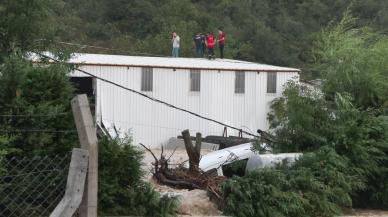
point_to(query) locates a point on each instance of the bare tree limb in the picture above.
(172, 153)
(149, 150)
(156, 166)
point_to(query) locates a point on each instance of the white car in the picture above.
(222, 160)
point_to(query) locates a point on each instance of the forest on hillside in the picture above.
(266, 31)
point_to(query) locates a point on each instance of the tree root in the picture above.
(187, 178)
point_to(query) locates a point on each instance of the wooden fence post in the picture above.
(75, 184)
(87, 134)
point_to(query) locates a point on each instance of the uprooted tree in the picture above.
(183, 178)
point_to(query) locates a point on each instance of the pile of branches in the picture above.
(187, 178)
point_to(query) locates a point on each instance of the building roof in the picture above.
(175, 63)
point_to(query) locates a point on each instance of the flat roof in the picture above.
(174, 63)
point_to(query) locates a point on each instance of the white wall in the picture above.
(153, 124)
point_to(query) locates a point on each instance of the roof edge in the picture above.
(171, 67)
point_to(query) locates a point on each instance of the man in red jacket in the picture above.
(221, 41)
(210, 41)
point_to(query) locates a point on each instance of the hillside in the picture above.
(269, 31)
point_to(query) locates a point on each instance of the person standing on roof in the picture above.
(210, 41)
(203, 41)
(197, 41)
(175, 44)
(221, 41)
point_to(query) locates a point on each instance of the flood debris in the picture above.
(208, 172)
(181, 177)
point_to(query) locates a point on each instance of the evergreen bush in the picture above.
(317, 185)
(122, 188)
(37, 100)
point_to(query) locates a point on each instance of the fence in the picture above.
(32, 187)
(43, 186)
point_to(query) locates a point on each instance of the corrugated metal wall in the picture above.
(154, 124)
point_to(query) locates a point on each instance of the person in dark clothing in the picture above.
(197, 41)
(210, 41)
(203, 37)
(221, 42)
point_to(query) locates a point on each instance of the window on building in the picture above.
(239, 83)
(195, 80)
(271, 82)
(146, 79)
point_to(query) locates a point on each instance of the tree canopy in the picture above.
(341, 129)
(268, 31)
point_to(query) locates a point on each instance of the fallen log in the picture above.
(176, 183)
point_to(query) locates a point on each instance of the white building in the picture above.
(233, 92)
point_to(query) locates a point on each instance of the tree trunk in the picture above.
(194, 152)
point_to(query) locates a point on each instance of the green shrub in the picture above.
(350, 115)
(316, 185)
(122, 190)
(29, 90)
